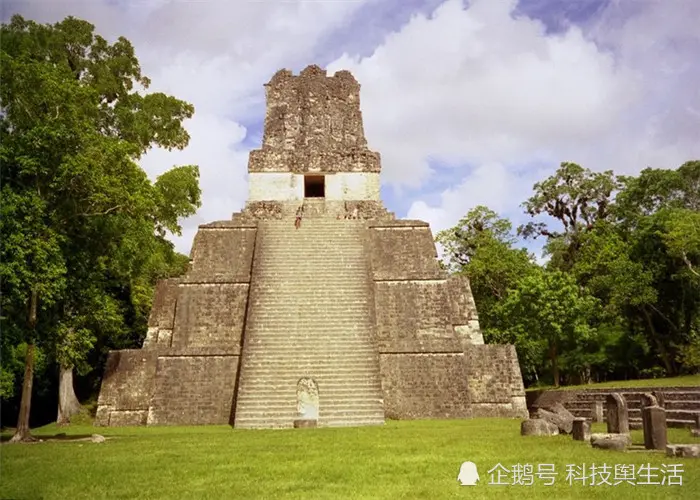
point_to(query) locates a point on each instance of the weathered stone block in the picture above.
(538, 427)
(414, 317)
(581, 429)
(401, 252)
(617, 415)
(210, 315)
(563, 422)
(194, 390)
(683, 450)
(127, 383)
(654, 424)
(125, 418)
(597, 411)
(660, 398)
(163, 309)
(618, 442)
(424, 386)
(305, 423)
(494, 381)
(221, 255)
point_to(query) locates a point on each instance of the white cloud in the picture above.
(475, 86)
(216, 55)
(471, 87)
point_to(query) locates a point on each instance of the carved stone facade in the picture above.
(353, 300)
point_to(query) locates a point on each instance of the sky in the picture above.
(469, 103)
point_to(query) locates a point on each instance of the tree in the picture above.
(576, 198)
(549, 309)
(657, 212)
(480, 246)
(76, 205)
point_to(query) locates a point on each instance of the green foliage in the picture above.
(481, 247)
(576, 198)
(82, 225)
(621, 293)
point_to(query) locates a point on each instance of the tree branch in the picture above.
(689, 264)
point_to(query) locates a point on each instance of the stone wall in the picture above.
(280, 186)
(313, 123)
(414, 316)
(421, 358)
(162, 318)
(127, 387)
(495, 382)
(276, 186)
(210, 315)
(221, 255)
(464, 315)
(186, 373)
(193, 390)
(426, 385)
(352, 186)
(432, 358)
(403, 250)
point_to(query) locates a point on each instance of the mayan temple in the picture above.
(346, 321)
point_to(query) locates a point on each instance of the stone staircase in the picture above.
(681, 403)
(309, 315)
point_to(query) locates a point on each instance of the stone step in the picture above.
(339, 398)
(676, 395)
(297, 279)
(686, 416)
(328, 373)
(318, 347)
(346, 386)
(309, 362)
(276, 356)
(277, 424)
(301, 332)
(293, 305)
(338, 390)
(333, 328)
(266, 328)
(293, 414)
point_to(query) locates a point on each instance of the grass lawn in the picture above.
(683, 381)
(419, 459)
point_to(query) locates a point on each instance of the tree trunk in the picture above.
(22, 431)
(555, 363)
(68, 404)
(659, 343)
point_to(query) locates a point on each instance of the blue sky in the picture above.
(468, 103)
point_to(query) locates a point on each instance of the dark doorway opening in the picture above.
(314, 186)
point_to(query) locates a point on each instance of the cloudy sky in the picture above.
(469, 103)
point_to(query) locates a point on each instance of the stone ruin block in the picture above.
(653, 423)
(581, 429)
(617, 414)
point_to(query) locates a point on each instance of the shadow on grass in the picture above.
(52, 438)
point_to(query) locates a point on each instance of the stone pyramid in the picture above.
(346, 320)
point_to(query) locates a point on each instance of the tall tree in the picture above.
(481, 246)
(551, 310)
(76, 205)
(576, 198)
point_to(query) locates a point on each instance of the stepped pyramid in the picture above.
(344, 321)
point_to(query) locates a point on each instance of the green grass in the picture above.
(419, 459)
(682, 381)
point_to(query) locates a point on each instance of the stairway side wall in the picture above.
(422, 362)
(433, 360)
(186, 372)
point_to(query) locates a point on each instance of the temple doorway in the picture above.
(314, 186)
